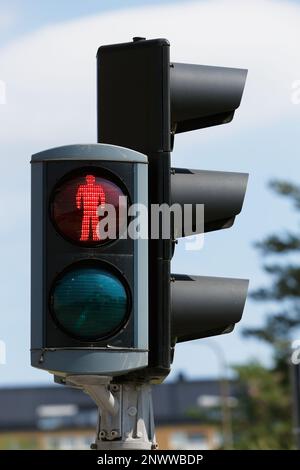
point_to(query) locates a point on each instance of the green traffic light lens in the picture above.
(89, 302)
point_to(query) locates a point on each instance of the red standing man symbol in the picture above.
(88, 197)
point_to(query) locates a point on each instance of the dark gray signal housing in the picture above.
(124, 260)
(133, 87)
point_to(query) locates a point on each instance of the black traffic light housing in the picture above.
(143, 101)
(134, 112)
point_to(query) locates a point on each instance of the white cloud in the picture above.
(50, 74)
(8, 18)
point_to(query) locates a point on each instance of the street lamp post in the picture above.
(224, 392)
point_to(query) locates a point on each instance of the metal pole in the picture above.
(224, 393)
(295, 373)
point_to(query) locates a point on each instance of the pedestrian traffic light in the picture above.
(104, 304)
(89, 280)
(103, 301)
(143, 101)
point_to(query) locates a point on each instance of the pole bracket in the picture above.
(125, 412)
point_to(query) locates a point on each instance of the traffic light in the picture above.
(143, 101)
(89, 299)
(104, 302)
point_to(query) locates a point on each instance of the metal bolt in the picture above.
(102, 434)
(114, 387)
(138, 38)
(132, 411)
(93, 446)
(114, 434)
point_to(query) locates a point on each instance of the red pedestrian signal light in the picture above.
(89, 197)
(79, 204)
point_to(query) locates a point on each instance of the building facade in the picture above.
(58, 417)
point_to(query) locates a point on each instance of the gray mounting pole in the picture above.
(125, 412)
(295, 376)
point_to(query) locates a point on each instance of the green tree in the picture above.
(265, 421)
(262, 417)
(285, 287)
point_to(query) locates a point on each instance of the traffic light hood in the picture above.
(203, 96)
(222, 194)
(204, 306)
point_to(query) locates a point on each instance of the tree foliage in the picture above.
(264, 420)
(285, 284)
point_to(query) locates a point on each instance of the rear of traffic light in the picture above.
(134, 112)
(143, 101)
(89, 285)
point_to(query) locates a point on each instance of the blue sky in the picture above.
(47, 61)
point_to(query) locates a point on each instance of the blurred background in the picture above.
(236, 391)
